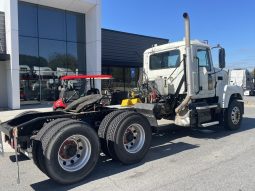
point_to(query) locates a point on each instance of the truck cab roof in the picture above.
(174, 45)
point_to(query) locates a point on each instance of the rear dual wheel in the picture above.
(74, 153)
(70, 151)
(128, 137)
(102, 130)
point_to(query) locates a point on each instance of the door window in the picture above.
(204, 59)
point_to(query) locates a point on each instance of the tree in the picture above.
(62, 61)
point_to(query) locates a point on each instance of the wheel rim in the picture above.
(134, 138)
(235, 115)
(74, 153)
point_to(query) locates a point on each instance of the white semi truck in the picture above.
(180, 85)
(242, 78)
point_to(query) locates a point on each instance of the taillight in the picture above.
(14, 138)
(12, 143)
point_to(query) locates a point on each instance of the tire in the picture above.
(102, 130)
(38, 157)
(58, 138)
(37, 151)
(135, 130)
(233, 116)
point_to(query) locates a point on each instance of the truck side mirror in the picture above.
(222, 61)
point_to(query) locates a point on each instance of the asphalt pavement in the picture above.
(178, 160)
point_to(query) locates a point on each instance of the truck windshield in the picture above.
(170, 59)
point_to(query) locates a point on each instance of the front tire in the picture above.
(233, 116)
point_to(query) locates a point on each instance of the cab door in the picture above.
(206, 76)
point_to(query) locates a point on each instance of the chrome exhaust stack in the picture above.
(190, 88)
(187, 29)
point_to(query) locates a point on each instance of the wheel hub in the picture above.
(68, 150)
(129, 136)
(235, 115)
(134, 138)
(74, 153)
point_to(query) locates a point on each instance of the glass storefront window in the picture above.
(124, 79)
(118, 81)
(52, 53)
(75, 27)
(27, 19)
(28, 49)
(52, 44)
(28, 91)
(52, 56)
(131, 78)
(76, 57)
(51, 23)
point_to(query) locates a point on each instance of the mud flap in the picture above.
(147, 110)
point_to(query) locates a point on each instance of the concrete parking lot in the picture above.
(178, 160)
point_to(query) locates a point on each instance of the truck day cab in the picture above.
(179, 85)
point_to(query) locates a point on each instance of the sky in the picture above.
(230, 23)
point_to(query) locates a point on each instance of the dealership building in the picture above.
(42, 40)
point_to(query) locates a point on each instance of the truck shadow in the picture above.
(162, 146)
(217, 133)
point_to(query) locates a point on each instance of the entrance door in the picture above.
(206, 80)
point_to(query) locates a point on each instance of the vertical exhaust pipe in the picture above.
(190, 88)
(187, 29)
